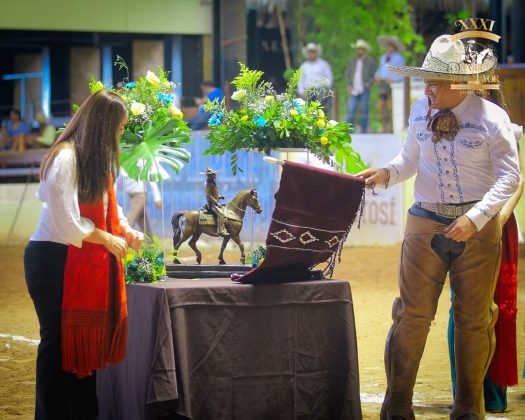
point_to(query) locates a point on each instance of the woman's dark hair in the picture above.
(92, 132)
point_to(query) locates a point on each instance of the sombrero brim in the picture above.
(384, 40)
(319, 50)
(209, 173)
(422, 73)
(364, 46)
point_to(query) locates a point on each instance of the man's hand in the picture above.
(158, 204)
(461, 229)
(375, 176)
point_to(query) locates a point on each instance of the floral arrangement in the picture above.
(147, 264)
(267, 121)
(155, 130)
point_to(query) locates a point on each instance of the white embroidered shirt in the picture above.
(480, 164)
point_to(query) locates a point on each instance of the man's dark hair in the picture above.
(17, 112)
(207, 83)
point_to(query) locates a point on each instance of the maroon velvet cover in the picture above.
(314, 211)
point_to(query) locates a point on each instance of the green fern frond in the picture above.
(293, 82)
(247, 79)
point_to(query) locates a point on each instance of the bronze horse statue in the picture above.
(194, 223)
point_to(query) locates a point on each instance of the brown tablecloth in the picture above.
(212, 349)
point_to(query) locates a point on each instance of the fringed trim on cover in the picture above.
(336, 256)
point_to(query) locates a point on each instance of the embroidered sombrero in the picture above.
(446, 61)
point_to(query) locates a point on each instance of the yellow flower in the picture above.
(320, 112)
(152, 78)
(321, 123)
(324, 140)
(294, 112)
(269, 98)
(137, 108)
(244, 117)
(167, 85)
(175, 112)
(124, 98)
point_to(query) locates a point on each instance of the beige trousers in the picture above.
(423, 268)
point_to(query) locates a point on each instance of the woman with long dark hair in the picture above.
(72, 262)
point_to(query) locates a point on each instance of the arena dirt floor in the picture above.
(372, 275)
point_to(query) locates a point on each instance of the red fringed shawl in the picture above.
(504, 368)
(94, 310)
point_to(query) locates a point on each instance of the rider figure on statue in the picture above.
(213, 198)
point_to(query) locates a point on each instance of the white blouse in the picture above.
(60, 220)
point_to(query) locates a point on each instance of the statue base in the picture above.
(194, 271)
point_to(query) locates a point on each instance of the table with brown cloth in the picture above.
(213, 349)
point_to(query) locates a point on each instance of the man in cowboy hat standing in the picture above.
(393, 47)
(316, 73)
(213, 198)
(462, 150)
(359, 79)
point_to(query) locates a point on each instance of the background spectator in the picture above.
(210, 92)
(316, 73)
(393, 46)
(359, 79)
(45, 134)
(14, 132)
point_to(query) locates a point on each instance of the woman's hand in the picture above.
(117, 246)
(134, 238)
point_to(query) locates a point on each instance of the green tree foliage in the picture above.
(336, 24)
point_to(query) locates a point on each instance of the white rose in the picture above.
(332, 123)
(239, 95)
(137, 108)
(152, 78)
(300, 101)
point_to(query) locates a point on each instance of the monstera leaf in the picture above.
(144, 154)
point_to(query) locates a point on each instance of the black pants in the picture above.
(59, 395)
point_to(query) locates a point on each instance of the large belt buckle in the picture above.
(447, 211)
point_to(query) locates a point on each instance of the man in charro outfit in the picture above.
(463, 152)
(213, 198)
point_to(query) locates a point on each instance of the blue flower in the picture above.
(260, 121)
(159, 260)
(298, 106)
(167, 98)
(131, 85)
(215, 119)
